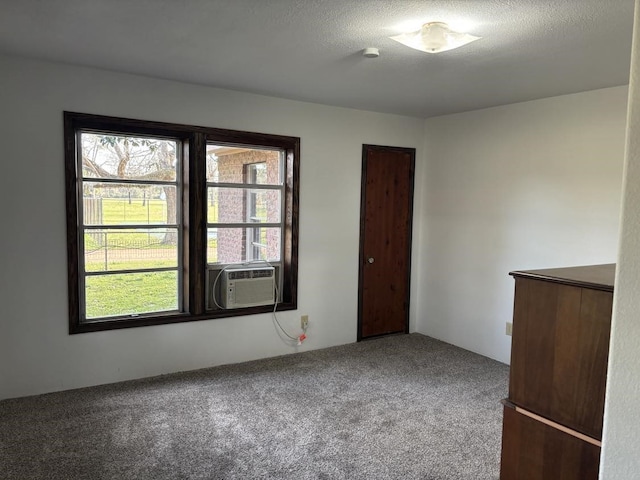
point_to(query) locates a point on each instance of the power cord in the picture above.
(275, 318)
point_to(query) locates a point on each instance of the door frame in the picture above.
(363, 200)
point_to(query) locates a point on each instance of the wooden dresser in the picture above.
(552, 424)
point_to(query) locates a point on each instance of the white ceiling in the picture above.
(311, 49)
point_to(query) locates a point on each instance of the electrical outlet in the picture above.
(509, 330)
(304, 321)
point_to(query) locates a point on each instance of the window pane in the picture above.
(234, 245)
(230, 165)
(108, 250)
(239, 205)
(118, 156)
(131, 293)
(118, 204)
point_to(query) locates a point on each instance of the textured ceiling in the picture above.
(311, 49)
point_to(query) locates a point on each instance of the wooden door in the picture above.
(385, 240)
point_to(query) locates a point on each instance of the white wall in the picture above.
(530, 185)
(523, 186)
(36, 353)
(620, 459)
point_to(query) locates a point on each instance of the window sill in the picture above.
(164, 319)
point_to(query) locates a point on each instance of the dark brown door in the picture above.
(385, 240)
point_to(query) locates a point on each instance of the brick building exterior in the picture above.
(237, 205)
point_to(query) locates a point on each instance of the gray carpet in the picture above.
(402, 407)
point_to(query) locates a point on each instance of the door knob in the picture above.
(370, 260)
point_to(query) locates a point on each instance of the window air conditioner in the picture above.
(247, 287)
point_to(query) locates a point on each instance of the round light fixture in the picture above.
(371, 52)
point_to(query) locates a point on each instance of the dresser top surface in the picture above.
(599, 277)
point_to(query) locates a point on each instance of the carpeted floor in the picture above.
(402, 407)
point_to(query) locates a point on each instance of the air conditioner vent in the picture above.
(253, 273)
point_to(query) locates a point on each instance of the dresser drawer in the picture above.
(534, 450)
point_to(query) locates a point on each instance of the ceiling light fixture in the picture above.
(434, 37)
(371, 52)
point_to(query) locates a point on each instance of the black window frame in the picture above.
(249, 174)
(193, 140)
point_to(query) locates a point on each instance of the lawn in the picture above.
(119, 210)
(113, 250)
(131, 293)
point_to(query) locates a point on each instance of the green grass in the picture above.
(134, 293)
(126, 239)
(137, 293)
(116, 211)
(130, 264)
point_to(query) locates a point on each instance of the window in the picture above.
(129, 224)
(155, 211)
